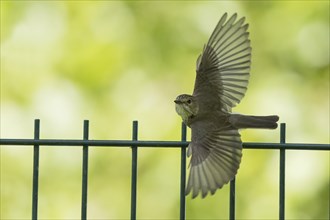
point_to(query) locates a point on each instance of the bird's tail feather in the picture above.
(249, 121)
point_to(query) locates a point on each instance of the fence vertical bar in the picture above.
(134, 171)
(282, 174)
(35, 184)
(84, 172)
(183, 174)
(232, 199)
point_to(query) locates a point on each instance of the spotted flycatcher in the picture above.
(222, 76)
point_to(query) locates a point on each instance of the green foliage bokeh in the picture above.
(116, 61)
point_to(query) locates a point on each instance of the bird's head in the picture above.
(186, 106)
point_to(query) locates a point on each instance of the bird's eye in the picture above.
(189, 101)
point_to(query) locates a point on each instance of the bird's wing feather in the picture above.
(215, 159)
(222, 70)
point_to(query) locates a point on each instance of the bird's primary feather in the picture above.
(214, 162)
(222, 72)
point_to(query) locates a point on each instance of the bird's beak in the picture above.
(177, 102)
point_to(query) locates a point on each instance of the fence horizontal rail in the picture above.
(178, 144)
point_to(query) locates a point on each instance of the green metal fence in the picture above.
(85, 143)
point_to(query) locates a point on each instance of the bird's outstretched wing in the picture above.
(215, 159)
(222, 70)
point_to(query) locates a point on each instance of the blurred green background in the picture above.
(113, 62)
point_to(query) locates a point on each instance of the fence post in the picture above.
(84, 172)
(183, 174)
(134, 171)
(232, 199)
(35, 171)
(282, 174)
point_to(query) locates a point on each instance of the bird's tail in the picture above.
(249, 121)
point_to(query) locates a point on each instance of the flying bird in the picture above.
(222, 77)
